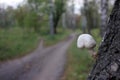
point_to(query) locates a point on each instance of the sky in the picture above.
(15, 3)
(78, 5)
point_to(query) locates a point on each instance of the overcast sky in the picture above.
(15, 3)
(78, 5)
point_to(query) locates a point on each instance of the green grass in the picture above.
(79, 61)
(51, 40)
(79, 64)
(16, 42)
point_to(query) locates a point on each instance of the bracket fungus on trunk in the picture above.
(87, 41)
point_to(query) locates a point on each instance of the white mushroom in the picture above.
(87, 41)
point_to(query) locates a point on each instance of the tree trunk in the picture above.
(55, 25)
(51, 17)
(107, 66)
(55, 30)
(104, 16)
(64, 20)
(87, 14)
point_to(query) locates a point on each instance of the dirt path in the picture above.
(42, 64)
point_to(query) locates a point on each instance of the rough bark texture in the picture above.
(107, 66)
(104, 15)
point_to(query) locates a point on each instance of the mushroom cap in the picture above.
(86, 41)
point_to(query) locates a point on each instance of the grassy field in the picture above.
(79, 61)
(51, 40)
(16, 42)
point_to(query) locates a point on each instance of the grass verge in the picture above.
(51, 40)
(79, 61)
(16, 42)
(79, 64)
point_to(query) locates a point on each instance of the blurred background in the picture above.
(23, 23)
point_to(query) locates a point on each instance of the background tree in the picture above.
(6, 17)
(20, 14)
(107, 66)
(71, 17)
(104, 15)
(57, 13)
(37, 11)
(90, 12)
(3, 17)
(51, 7)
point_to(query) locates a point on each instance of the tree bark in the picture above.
(64, 20)
(107, 66)
(51, 17)
(104, 16)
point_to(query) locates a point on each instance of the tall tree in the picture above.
(90, 11)
(56, 8)
(3, 17)
(104, 15)
(86, 13)
(57, 13)
(70, 15)
(51, 17)
(73, 21)
(107, 66)
(20, 14)
(6, 17)
(36, 5)
(38, 10)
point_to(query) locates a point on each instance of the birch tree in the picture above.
(104, 15)
(51, 17)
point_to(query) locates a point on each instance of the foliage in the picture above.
(28, 18)
(6, 17)
(38, 6)
(32, 14)
(31, 20)
(20, 14)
